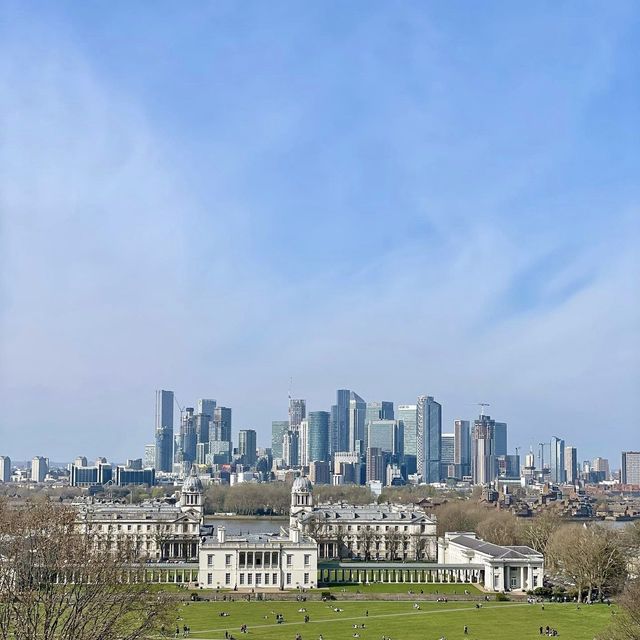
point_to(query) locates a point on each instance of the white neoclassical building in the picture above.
(158, 530)
(500, 568)
(264, 561)
(364, 532)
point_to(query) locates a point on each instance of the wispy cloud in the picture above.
(395, 206)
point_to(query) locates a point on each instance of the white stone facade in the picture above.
(506, 568)
(157, 530)
(258, 562)
(365, 532)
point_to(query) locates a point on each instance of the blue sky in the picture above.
(394, 197)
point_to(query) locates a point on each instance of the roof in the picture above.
(192, 482)
(256, 538)
(151, 511)
(302, 484)
(496, 551)
(387, 513)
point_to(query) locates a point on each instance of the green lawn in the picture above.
(397, 620)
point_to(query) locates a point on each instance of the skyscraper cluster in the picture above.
(204, 435)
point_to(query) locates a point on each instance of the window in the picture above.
(307, 559)
(514, 582)
(227, 560)
(258, 579)
(288, 578)
(209, 559)
(289, 559)
(306, 578)
(209, 578)
(274, 578)
(242, 578)
(243, 559)
(535, 581)
(249, 578)
(274, 559)
(266, 578)
(227, 578)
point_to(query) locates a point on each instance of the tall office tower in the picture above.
(385, 435)
(483, 456)
(500, 431)
(556, 461)
(447, 454)
(357, 415)
(428, 434)
(376, 464)
(188, 439)
(221, 424)
(339, 426)
(318, 437)
(164, 430)
(303, 443)
(407, 415)
(5, 468)
(290, 448)
(297, 412)
(206, 407)
(571, 464)
(462, 448)
(278, 429)
(508, 466)
(39, 469)
(379, 411)
(80, 461)
(601, 465)
(319, 472)
(630, 469)
(247, 446)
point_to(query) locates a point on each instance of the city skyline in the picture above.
(396, 199)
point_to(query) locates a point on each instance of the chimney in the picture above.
(294, 535)
(222, 535)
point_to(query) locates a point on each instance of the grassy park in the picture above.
(395, 620)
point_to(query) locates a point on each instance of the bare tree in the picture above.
(537, 531)
(56, 584)
(591, 558)
(367, 541)
(626, 624)
(393, 540)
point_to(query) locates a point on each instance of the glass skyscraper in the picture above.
(357, 416)
(164, 430)
(278, 430)
(556, 464)
(428, 436)
(462, 448)
(318, 436)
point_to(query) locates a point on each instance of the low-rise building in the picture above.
(505, 568)
(263, 561)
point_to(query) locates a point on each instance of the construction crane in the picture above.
(482, 405)
(179, 407)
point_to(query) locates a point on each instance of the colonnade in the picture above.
(410, 575)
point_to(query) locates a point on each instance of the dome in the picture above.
(192, 483)
(302, 484)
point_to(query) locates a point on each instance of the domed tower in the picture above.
(301, 499)
(191, 494)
